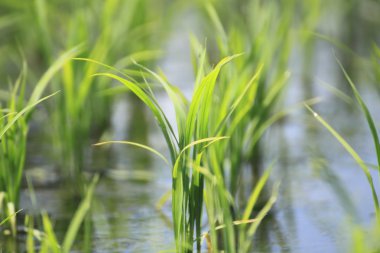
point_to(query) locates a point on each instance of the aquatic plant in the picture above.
(242, 111)
(105, 30)
(190, 148)
(81, 114)
(250, 102)
(14, 129)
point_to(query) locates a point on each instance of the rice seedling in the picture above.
(221, 185)
(189, 146)
(241, 111)
(81, 114)
(191, 149)
(251, 29)
(109, 31)
(13, 133)
(247, 35)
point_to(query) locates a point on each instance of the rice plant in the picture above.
(14, 129)
(251, 34)
(242, 111)
(81, 114)
(221, 185)
(190, 147)
(109, 31)
(187, 147)
(253, 28)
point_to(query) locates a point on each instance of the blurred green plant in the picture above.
(115, 29)
(109, 31)
(14, 122)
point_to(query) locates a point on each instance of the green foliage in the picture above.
(193, 139)
(74, 115)
(13, 132)
(193, 151)
(108, 31)
(245, 103)
(216, 148)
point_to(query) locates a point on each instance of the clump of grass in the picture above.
(13, 133)
(253, 28)
(192, 141)
(233, 103)
(191, 149)
(107, 31)
(243, 109)
(255, 35)
(81, 114)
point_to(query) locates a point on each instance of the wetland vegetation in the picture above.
(189, 126)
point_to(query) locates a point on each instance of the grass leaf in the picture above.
(136, 145)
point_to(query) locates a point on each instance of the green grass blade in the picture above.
(366, 112)
(263, 212)
(192, 144)
(79, 217)
(100, 64)
(201, 103)
(256, 192)
(354, 155)
(9, 217)
(21, 113)
(145, 55)
(50, 240)
(240, 99)
(136, 145)
(156, 110)
(176, 96)
(54, 68)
